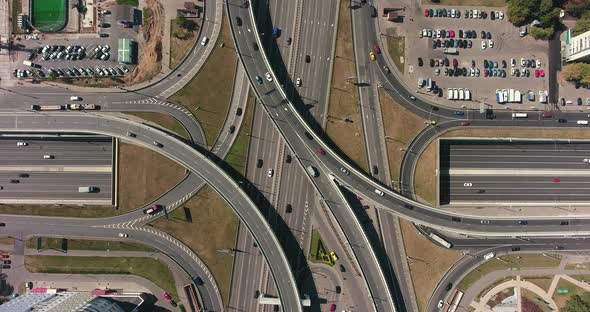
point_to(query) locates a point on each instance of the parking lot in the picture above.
(74, 55)
(502, 43)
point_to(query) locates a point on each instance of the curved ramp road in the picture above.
(185, 156)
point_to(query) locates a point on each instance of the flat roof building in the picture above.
(67, 301)
(577, 48)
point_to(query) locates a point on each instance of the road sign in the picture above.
(562, 291)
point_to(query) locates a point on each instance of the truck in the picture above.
(276, 32)
(467, 95)
(89, 106)
(46, 107)
(86, 189)
(450, 51)
(312, 171)
(74, 106)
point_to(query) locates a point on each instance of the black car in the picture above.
(338, 289)
(579, 101)
(515, 249)
(375, 170)
(308, 135)
(562, 101)
(420, 61)
(6, 266)
(564, 223)
(289, 208)
(455, 219)
(483, 34)
(492, 15)
(239, 111)
(449, 286)
(434, 44)
(289, 40)
(14, 181)
(198, 281)
(103, 35)
(238, 21)
(307, 59)
(232, 129)
(23, 175)
(257, 294)
(2, 224)
(7, 261)
(131, 134)
(431, 62)
(504, 64)
(259, 163)
(288, 159)
(342, 269)
(561, 120)
(523, 222)
(255, 46)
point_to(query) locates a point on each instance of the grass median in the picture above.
(149, 268)
(206, 224)
(344, 115)
(427, 261)
(181, 41)
(163, 120)
(94, 245)
(509, 262)
(208, 94)
(396, 47)
(237, 156)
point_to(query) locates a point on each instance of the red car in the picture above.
(321, 151)
(486, 73)
(541, 73)
(4, 256)
(166, 296)
(536, 73)
(455, 62)
(556, 180)
(358, 197)
(426, 12)
(452, 33)
(376, 48)
(465, 123)
(332, 307)
(547, 115)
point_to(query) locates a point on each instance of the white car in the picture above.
(467, 184)
(586, 160)
(123, 235)
(268, 76)
(501, 15)
(522, 62)
(438, 33)
(47, 156)
(343, 170)
(440, 304)
(424, 33)
(204, 41)
(483, 45)
(453, 13)
(538, 64)
(22, 143)
(512, 62)
(437, 71)
(491, 43)
(298, 82)
(420, 34)
(270, 172)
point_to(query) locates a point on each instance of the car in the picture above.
(376, 49)
(580, 101)
(307, 59)
(131, 134)
(255, 46)
(104, 25)
(123, 235)
(464, 123)
(342, 269)
(29, 285)
(258, 79)
(501, 15)
(459, 113)
(375, 170)
(426, 13)
(538, 63)
(483, 45)
(541, 73)
(547, 115)
(332, 307)
(21, 143)
(386, 69)
(489, 255)
(522, 222)
(46, 156)
(268, 76)
(455, 62)
(467, 184)
(158, 144)
(199, 281)
(308, 135)
(491, 43)
(420, 62)
(6, 266)
(449, 286)
(536, 73)
(413, 98)
(451, 34)
(259, 163)
(338, 289)
(321, 151)
(4, 256)
(103, 35)
(15, 181)
(270, 173)
(372, 56)
(166, 296)
(485, 221)
(437, 71)
(153, 209)
(298, 82)
(440, 304)
(204, 41)
(561, 120)
(333, 256)
(238, 21)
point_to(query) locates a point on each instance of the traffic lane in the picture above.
(247, 273)
(282, 14)
(54, 185)
(185, 155)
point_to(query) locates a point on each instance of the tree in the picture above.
(521, 12)
(576, 72)
(582, 25)
(576, 304)
(577, 7)
(542, 33)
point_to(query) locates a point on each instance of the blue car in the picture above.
(258, 79)
(459, 113)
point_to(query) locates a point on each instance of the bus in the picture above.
(440, 240)
(520, 115)
(454, 301)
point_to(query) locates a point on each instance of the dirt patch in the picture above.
(531, 302)
(401, 127)
(425, 177)
(150, 57)
(213, 227)
(497, 298)
(427, 261)
(144, 175)
(344, 116)
(544, 282)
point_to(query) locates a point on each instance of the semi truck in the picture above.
(46, 107)
(81, 106)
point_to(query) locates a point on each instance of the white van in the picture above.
(75, 98)
(489, 256)
(449, 94)
(582, 122)
(379, 192)
(312, 171)
(461, 94)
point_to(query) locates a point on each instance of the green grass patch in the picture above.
(147, 15)
(237, 157)
(544, 282)
(96, 245)
(49, 15)
(514, 262)
(396, 48)
(128, 2)
(149, 268)
(208, 94)
(181, 41)
(213, 227)
(165, 121)
(318, 251)
(490, 3)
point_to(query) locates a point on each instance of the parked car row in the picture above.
(456, 13)
(462, 34)
(452, 43)
(462, 71)
(458, 94)
(70, 53)
(72, 72)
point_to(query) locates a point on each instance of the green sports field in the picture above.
(48, 15)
